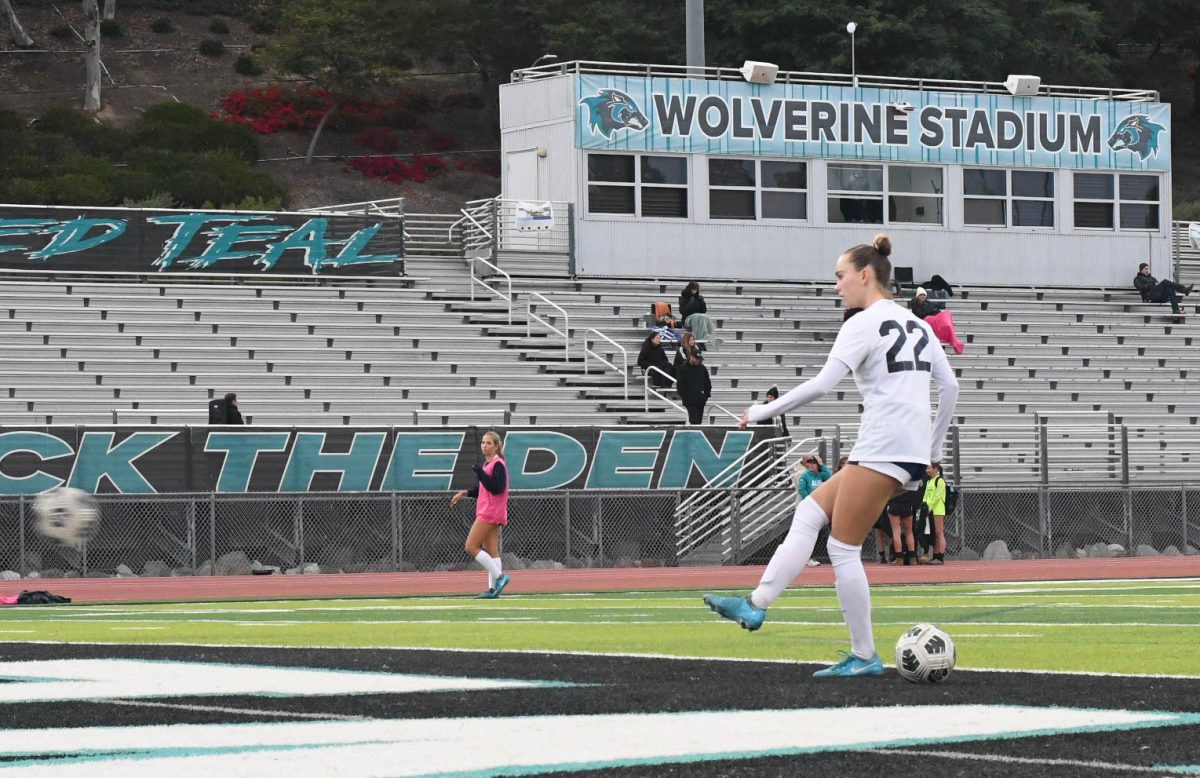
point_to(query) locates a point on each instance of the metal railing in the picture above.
(740, 505)
(496, 292)
(531, 317)
(476, 224)
(651, 391)
(587, 352)
(736, 417)
(826, 79)
(393, 207)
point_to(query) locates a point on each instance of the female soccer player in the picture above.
(491, 513)
(892, 355)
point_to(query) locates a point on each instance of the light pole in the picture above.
(542, 59)
(850, 28)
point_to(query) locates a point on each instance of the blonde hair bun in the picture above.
(883, 244)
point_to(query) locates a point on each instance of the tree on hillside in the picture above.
(110, 9)
(19, 36)
(91, 41)
(341, 45)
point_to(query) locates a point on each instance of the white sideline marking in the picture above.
(414, 747)
(1021, 760)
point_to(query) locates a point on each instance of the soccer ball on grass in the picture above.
(68, 515)
(925, 654)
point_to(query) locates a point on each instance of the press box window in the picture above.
(637, 185)
(757, 189)
(915, 194)
(1105, 200)
(855, 194)
(998, 198)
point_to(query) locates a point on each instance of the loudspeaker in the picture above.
(759, 72)
(1023, 86)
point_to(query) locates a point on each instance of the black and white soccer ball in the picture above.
(925, 654)
(68, 515)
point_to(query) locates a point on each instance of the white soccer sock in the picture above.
(491, 564)
(850, 580)
(793, 553)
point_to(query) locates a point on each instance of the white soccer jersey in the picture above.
(893, 355)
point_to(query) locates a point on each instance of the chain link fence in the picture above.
(224, 534)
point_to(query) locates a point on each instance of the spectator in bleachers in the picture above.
(652, 355)
(1154, 291)
(694, 312)
(815, 473)
(939, 320)
(233, 413)
(681, 354)
(780, 421)
(694, 386)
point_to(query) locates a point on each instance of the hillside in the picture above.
(144, 67)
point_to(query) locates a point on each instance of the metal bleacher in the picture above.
(420, 351)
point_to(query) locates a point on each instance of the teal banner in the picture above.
(864, 123)
(225, 459)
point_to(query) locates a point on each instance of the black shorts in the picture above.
(883, 522)
(906, 504)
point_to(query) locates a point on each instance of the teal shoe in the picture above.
(501, 582)
(738, 609)
(490, 594)
(851, 666)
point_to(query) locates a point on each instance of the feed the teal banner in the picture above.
(623, 113)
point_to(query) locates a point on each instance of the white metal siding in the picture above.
(556, 171)
(534, 102)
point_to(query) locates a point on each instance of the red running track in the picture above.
(258, 587)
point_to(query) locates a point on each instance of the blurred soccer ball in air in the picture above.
(67, 515)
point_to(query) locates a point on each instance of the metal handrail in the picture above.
(727, 412)
(530, 317)
(496, 292)
(392, 206)
(836, 79)
(650, 391)
(587, 351)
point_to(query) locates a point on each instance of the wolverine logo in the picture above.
(613, 110)
(1137, 134)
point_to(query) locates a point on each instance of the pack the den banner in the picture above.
(266, 459)
(145, 241)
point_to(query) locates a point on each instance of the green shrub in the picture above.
(162, 25)
(26, 191)
(247, 65)
(263, 26)
(83, 133)
(153, 200)
(62, 32)
(177, 126)
(111, 28)
(80, 189)
(10, 122)
(218, 27)
(23, 165)
(211, 47)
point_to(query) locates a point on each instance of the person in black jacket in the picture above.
(1154, 291)
(691, 301)
(652, 355)
(780, 421)
(694, 386)
(232, 414)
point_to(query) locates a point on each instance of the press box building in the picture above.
(679, 171)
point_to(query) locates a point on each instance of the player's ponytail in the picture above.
(876, 255)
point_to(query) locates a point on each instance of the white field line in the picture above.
(241, 711)
(1021, 760)
(630, 655)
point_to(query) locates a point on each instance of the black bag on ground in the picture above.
(218, 411)
(40, 598)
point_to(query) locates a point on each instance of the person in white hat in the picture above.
(920, 305)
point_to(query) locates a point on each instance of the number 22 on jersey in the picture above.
(902, 333)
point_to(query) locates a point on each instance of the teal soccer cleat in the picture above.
(501, 582)
(852, 666)
(490, 594)
(738, 609)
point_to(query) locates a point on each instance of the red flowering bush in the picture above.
(398, 170)
(270, 109)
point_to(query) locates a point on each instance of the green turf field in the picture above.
(1096, 626)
